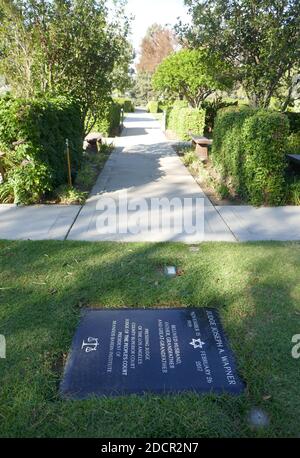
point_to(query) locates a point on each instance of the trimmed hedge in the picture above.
(294, 144)
(126, 104)
(182, 119)
(109, 120)
(211, 111)
(249, 148)
(154, 107)
(173, 114)
(294, 119)
(35, 132)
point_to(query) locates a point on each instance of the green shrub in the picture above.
(249, 147)
(6, 192)
(294, 119)
(86, 176)
(182, 120)
(293, 145)
(222, 190)
(189, 157)
(39, 128)
(126, 104)
(109, 120)
(29, 181)
(211, 111)
(173, 114)
(154, 107)
(67, 195)
(294, 192)
(115, 118)
(193, 121)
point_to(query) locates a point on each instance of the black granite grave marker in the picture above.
(124, 351)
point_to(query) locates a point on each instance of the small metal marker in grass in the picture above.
(194, 249)
(170, 271)
(258, 418)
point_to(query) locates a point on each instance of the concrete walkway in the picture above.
(264, 223)
(36, 222)
(145, 165)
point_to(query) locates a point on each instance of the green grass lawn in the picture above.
(44, 285)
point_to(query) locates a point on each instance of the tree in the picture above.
(157, 44)
(192, 74)
(64, 47)
(289, 90)
(122, 75)
(142, 90)
(261, 38)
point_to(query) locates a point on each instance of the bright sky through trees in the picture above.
(148, 12)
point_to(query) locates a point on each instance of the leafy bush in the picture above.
(154, 107)
(182, 120)
(86, 176)
(196, 73)
(294, 119)
(126, 104)
(293, 146)
(211, 111)
(249, 147)
(173, 114)
(115, 118)
(294, 192)
(108, 121)
(91, 165)
(35, 131)
(67, 195)
(222, 191)
(30, 181)
(193, 121)
(189, 157)
(6, 193)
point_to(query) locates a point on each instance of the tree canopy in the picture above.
(192, 74)
(65, 47)
(157, 44)
(260, 38)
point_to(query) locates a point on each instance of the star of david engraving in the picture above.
(197, 343)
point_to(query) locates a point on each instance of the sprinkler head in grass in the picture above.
(258, 418)
(170, 271)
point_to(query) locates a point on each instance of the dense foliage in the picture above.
(108, 119)
(294, 119)
(211, 110)
(142, 90)
(33, 133)
(249, 148)
(64, 47)
(192, 74)
(126, 104)
(260, 39)
(154, 106)
(184, 120)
